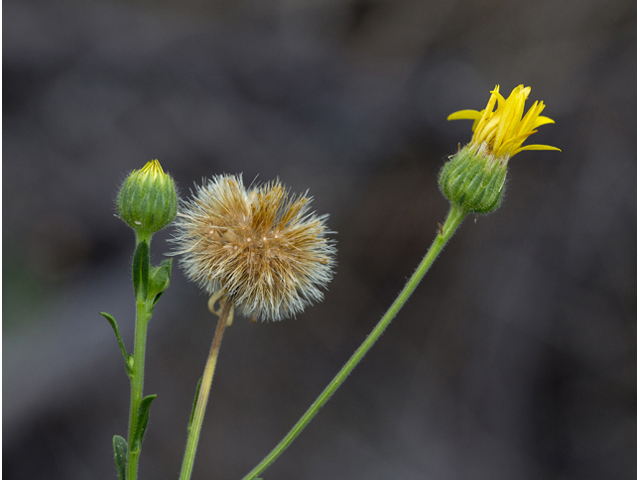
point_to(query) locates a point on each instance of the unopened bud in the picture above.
(147, 201)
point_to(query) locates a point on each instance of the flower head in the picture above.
(473, 179)
(261, 248)
(501, 132)
(147, 200)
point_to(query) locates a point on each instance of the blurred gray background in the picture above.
(515, 358)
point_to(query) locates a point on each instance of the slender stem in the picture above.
(203, 395)
(137, 382)
(454, 219)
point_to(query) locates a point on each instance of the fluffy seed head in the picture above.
(262, 248)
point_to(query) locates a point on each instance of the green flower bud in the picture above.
(147, 201)
(473, 180)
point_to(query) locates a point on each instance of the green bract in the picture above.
(147, 201)
(473, 181)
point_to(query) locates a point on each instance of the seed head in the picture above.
(262, 248)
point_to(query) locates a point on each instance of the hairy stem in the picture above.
(447, 230)
(137, 383)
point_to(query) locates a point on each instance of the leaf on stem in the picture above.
(140, 269)
(159, 281)
(195, 400)
(120, 455)
(142, 422)
(114, 325)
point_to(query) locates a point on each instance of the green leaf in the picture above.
(130, 363)
(114, 325)
(142, 422)
(120, 455)
(159, 280)
(140, 270)
(195, 400)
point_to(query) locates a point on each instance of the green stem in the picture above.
(137, 381)
(143, 237)
(203, 396)
(455, 217)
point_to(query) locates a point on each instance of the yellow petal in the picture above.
(537, 147)
(488, 112)
(499, 97)
(465, 115)
(503, 126)
(542, 120)
(528, 123)
(477, 121)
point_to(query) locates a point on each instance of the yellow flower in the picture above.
(501, 132)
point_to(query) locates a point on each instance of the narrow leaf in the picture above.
(114, 325)
(140, 270)
(195, 400)
(159, 280)
(156, 298)
(120, 455)
(142, 421)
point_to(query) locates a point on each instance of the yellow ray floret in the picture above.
(152, 169)
(501, 129)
